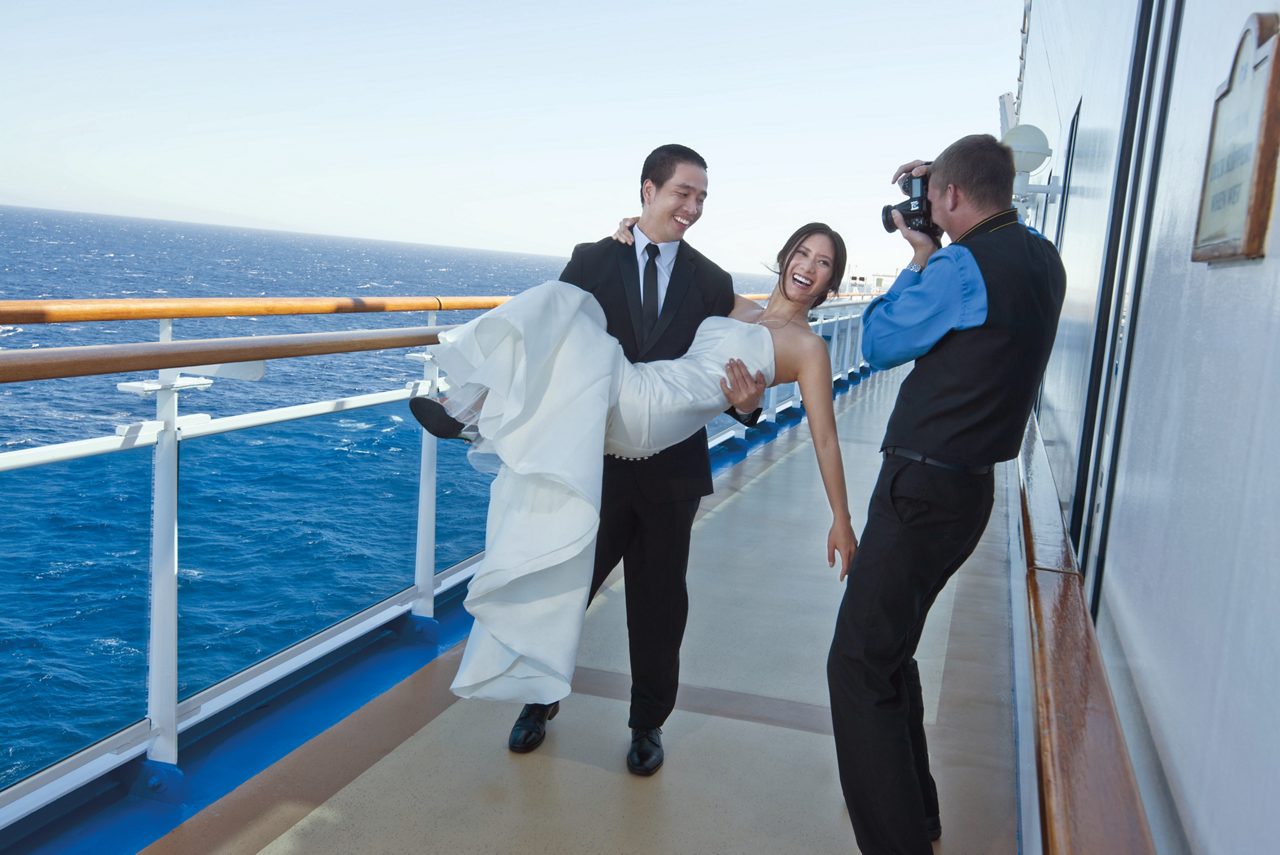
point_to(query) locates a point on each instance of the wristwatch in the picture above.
(914, 268)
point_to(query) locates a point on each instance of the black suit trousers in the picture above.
(922, 523)
(651, 538)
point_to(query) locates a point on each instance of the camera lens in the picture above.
(886, 218)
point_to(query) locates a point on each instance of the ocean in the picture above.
(284, 530)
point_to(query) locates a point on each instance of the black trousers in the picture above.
(922, 524)
(652, 540)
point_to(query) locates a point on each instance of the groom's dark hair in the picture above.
(662, 162)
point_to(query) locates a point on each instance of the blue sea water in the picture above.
(284, 530)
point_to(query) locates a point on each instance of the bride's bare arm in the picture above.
(623, 234)
(814, 377)
(744, 309)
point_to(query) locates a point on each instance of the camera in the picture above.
(915, 211)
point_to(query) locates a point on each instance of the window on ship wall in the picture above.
(1066, 178)
(1044, 208)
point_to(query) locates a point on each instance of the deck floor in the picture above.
(750, 764)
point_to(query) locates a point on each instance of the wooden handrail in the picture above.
(65, 311)
(1089, 797)
(62, 311)
(49, 363)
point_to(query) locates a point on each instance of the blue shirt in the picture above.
(921, 308)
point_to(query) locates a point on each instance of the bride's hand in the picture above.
(841, 539)
(623, 234)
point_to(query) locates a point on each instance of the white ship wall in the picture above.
(1189, 602)
(1090, 64)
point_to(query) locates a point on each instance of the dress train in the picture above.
(542, 372)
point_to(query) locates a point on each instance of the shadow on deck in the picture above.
(750, 762)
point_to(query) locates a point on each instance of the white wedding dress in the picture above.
(551, 392)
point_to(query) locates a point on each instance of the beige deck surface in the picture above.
(750, 764)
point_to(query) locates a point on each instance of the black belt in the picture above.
(930, 461)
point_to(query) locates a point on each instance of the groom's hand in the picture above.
(743, 391)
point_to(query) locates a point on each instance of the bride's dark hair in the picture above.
(837, 263)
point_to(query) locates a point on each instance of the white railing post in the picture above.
(839, 336)
(424, 559)
(846, 337)
(837, 342)
(845, 340)
(162, 652)
(855, 358)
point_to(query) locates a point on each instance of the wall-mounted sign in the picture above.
(1240, 169)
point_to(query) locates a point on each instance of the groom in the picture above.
(654, 295)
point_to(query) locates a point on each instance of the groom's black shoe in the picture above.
(645, 756)
(531, 727)
(432, 415)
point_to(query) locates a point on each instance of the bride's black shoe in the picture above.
(432, 415)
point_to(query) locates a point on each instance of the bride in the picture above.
(542, 391)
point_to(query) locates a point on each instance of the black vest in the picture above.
(968, 399)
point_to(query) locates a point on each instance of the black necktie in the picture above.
(649, 294)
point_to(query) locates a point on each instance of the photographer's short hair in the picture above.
(662, 162)
(981, 166)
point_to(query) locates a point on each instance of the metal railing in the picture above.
(193, 364)
(1088, 796)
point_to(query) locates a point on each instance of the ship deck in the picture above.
(750, 764)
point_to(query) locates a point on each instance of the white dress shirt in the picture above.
(666, 261)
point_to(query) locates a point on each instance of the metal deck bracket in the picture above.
(230, 370)
(142, 388)
(161, 782)
(139, 430)
(432, 382)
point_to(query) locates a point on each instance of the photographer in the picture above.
(978, 317)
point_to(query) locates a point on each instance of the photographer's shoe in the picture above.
(432, 415)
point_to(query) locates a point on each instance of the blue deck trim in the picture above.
(126, 811)
(734, 451)
(142, 801)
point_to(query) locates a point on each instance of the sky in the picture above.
(494, 125)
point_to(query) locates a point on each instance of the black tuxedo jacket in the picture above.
(698, 290)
